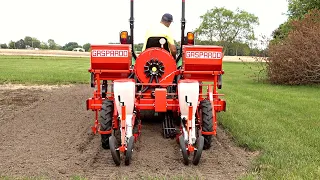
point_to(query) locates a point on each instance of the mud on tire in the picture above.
(207, 126)
(105, 119)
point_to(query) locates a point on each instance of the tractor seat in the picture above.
(155, 42)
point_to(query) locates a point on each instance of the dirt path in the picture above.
(45, 132)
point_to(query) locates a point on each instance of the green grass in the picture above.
(44, 70)
(283, 122)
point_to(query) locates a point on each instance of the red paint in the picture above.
(163, 56)
(200, 63)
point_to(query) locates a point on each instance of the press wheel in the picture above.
(184, 150)
(113, 148)
(129, 151)
(198, 152)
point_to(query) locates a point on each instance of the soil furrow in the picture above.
(46, 133)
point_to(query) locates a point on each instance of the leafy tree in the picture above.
(3, 46)
(235, 48)
(12, 45)
(206, 42)
(44, 45)
(138, 47)
(257, 52)
(70, 46)
(227, 26)
(31, 42)
(86, 46)
(53, 45)
(20, 44)
(35, 43)
(239, 49)
(28, 41)
(282, 31)
(298, 8)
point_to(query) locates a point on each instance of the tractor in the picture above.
(181, 90)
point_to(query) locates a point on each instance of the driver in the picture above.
(162, 29)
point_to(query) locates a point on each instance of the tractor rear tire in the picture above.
(207, 124)
(106, 116)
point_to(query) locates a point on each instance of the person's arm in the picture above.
(173, 50)
(172, 46)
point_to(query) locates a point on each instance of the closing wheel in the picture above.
(113, 148)
(197, 154)
(129, 151)
(184, 150)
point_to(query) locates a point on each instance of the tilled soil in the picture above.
(45, 132)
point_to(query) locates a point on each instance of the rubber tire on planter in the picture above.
(207, 125)
(183, 150)
(113, 144)
(198, 153)
(105, 119)
(129, 151)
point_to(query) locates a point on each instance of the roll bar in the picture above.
(183, 24)
(131, 29)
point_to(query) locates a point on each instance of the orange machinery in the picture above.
(182, 90)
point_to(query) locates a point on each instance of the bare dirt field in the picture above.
(87, 54)
(45, 132)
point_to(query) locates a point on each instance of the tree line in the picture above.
(295, 48)
(32, 43)
(234, 49)
(234, 30)
(297, 9)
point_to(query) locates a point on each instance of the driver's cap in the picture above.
(167, 17)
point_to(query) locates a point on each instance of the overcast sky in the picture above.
(100, 21)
